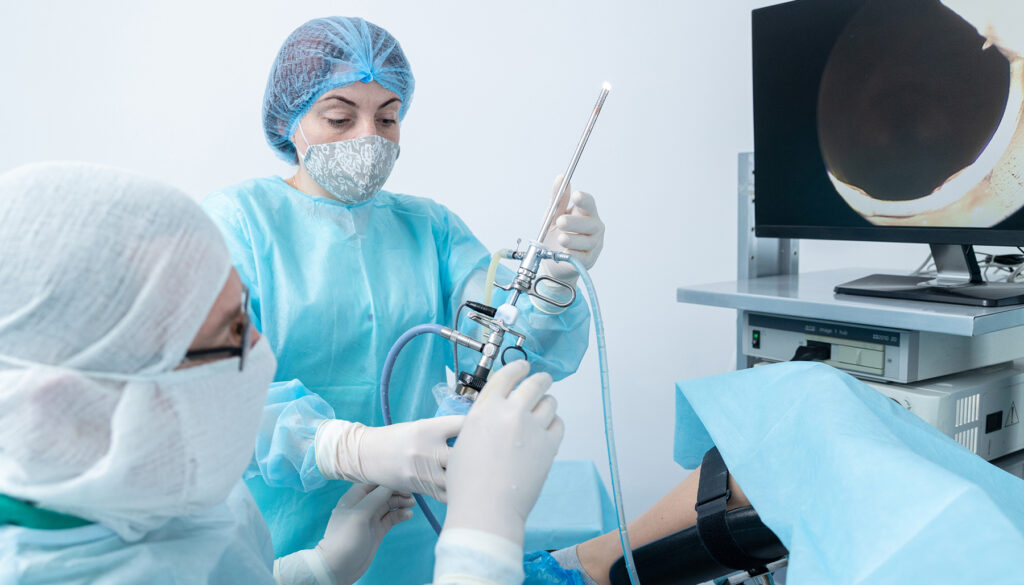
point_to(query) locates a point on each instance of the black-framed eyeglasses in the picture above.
(224, 352)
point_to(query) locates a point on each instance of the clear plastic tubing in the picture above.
(492, 271)
(609, 435)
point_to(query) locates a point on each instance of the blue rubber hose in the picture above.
(609, 435)
(385, 404)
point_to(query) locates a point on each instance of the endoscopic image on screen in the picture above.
(919, 117)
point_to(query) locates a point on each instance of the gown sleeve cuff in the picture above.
(475, 557)
(304, 567)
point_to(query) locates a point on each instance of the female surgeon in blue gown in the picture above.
(338, 269)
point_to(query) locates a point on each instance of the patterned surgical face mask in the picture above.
(352, 171)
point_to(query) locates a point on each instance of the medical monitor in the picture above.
(890, 120)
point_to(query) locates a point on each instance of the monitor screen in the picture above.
(889, 120)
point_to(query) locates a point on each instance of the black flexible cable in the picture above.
(455, 344)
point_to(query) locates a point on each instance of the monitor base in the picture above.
(981, 294)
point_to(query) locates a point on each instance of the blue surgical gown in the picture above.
(332, 287)
(227, 543)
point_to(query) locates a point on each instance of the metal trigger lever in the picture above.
(535, 292)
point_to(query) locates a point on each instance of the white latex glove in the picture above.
(503, 454)
(357, 525)
(407, 457)
(356, 528)
(578, 231)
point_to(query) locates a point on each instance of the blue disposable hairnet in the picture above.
(325, 54)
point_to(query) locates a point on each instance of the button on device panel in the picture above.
(846, 354)
(872, 358)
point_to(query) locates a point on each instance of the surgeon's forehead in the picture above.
(360, 92)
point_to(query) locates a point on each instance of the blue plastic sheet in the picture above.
(858, 489)
(573, 506)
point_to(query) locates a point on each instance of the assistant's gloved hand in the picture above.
(579, 231)
(357, 526)
(408, 457)
(503, 455)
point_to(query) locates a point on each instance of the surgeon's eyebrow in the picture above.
(355, 105)
(341, 99)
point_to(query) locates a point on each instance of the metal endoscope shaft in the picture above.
(556, 204)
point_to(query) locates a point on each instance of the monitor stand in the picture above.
(958, 281)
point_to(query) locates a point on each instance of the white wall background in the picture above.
(173, 90)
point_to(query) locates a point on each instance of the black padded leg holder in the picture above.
(686, 558)
(681, 559)
(712, 499)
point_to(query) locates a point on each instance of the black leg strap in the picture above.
(712, 498)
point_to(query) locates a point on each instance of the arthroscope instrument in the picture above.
(494, 323)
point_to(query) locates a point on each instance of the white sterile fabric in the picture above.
(303, 567)
(409, 457)
(107, 278)
(475, 557)
(504, 452)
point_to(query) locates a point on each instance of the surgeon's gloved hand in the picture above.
(578, 231)
(503, 455)
(408, 457)
(356, 528)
